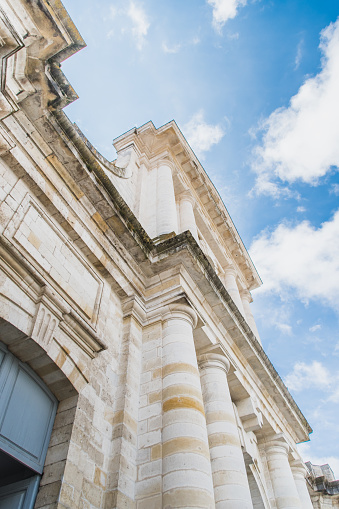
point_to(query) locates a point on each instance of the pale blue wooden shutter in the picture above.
(27, 412)
(20, 495)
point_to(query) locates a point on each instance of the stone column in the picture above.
(231, 489)
(187, 219)
(166, 208)
(299, 473)
(284, 488)
(186, 467)
(246, 299)
(232, 287)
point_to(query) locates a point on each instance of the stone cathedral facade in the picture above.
(131, 370)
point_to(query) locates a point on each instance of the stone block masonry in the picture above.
(125, 293)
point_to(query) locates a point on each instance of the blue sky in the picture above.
(254, 87)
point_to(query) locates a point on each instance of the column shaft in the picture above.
(231, 489)
(246, 299)
(187, 219)
(285, 491)
(232, 288)
(166, 207)
(187, 477)
(299, 474)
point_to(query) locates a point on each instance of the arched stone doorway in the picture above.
(32, 456)
(27, 413)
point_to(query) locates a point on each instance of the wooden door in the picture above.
(20, 495)
(27, 412)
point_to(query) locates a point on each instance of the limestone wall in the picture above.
(128, 295)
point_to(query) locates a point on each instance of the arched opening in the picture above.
(37, 408)
(27, 413)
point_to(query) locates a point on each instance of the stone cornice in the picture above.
(111, 166)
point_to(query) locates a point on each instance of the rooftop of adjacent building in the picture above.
(322, 479)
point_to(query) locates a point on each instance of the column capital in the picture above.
(230, 271)
(165, 162)
(213, 360)
(246, 295)
(298, 468)
(133, 306)
(277, 443)
(187, 196)
(183, 311)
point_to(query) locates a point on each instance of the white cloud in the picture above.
(175, 48)
(315, 327)
(335, 189)
(315, 377)
(224, 10)
(299, 55)
(284, 327)
(273, 316)
(305, 376)
(113, 11)
(200, 135)
(140, 23)
(300, 261)
(171, 49)
(300, 142)
(129, 18)
(233, 36)
(301, 209)
(334, 398)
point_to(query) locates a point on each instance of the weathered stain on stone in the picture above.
(182, 390)
(185, 444)
(179, 367)
(156, 452)
(182, 402)
(219, 417)
(100, 221)
(195, 498)
(219, 439)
